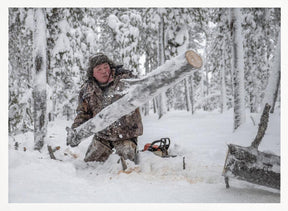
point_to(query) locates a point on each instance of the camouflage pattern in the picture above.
(100, 150)
(92, 99)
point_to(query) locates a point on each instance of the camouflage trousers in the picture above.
(100, 150)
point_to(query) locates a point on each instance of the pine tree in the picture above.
(149, 44)
(20, 74)
(201, 16)
(126, 31)
(255, 57)
(219, 59)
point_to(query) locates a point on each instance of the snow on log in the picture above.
(139, 92)
(251, 165)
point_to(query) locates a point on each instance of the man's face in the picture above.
(102, 72)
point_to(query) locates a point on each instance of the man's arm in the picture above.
(83, 114)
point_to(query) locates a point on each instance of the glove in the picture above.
(72, 139)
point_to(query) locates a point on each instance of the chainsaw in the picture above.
(159, 147)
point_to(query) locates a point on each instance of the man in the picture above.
(103, 87)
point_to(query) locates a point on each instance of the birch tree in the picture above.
(39, 85)
(161, 59)
(273, 86)
(238, 68)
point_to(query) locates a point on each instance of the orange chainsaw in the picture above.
(159, 147)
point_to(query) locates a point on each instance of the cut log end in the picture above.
(193, 59)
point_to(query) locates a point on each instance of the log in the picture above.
(251, 165)
(138, 93)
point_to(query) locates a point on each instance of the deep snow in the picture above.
(202, 138)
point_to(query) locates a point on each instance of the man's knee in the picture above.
(126, 149)
(97, 151)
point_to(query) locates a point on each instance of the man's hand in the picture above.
(72, 139)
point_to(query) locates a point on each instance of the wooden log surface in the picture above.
(251, 165)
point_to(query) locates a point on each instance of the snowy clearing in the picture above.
(202, 138)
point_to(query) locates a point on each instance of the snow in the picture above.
(29, 22)
(182, 38)
(113, 22)
(201, 138)
(62, 43)
(126, 34)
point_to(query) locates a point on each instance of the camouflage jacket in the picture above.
(92, 99)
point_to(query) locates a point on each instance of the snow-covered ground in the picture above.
(201, 138)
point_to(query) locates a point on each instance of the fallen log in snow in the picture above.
(251, 165)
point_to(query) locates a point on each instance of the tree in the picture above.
(162, 109)
(20, 74)
(238, 68)
(272, 89)
(149, 44)
(219, 60)
(40, 80)
(154, 35)
(260, 28)
(126, 33)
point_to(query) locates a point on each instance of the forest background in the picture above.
(142, 39)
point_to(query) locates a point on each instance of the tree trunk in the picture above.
(187, 97)
(238, 67)
(146, 108)
(162, 105)
(161, 59)
(39, 86)
(273, 86)
(192, 94)
(275, 95)
(202, 92)
(155, 105)
(223, 88)
(267, 31)
(147, 67)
